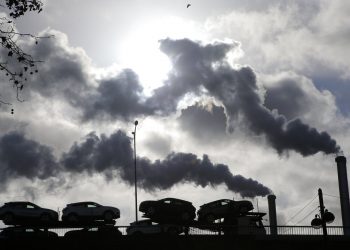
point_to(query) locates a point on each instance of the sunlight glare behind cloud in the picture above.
(140, 49)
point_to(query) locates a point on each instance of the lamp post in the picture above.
(324, 217)
(134, 134)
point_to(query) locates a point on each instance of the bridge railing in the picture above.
(266, 230)
(230, 230)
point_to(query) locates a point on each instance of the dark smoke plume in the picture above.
(203, 69)
(106, 154)
(181, 167)
(120, 97)
(20, 157)
(197, 66)
(205, 122)
(197, 69)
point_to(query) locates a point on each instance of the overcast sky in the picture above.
(234, 99)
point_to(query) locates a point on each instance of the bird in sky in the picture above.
(188, 5)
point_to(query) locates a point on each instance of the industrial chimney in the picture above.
(272, 213)
(344, 193)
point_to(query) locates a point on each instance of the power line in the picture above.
(334, 196)
(306, 216)
(291, 218)
(289, 229)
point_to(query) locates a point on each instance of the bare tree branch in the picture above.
(16, 64)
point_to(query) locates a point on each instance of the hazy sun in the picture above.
(140, 49)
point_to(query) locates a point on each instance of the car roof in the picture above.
(175, 199)
(18, 202)
(81, 203)
(217, 201)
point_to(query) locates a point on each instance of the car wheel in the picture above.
(8, 218)
(108, 216)
(210, 218)
(72, 218)
(45, 218)
(151, 211)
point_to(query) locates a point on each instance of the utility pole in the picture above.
(324, 217)
(320, 198)
(134, 134)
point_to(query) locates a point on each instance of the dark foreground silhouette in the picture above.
(156, 242)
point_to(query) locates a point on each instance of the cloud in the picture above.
(190, 63)
(65, 72)
(282, 42)
(197, 66)
(198, 69)
(291, 35)
(296, 96)
(20, 157)
(118, 97)
(67, 75)
(107, 154)
(205, 122)
(288, 98)
(158, 143)
(307, 37)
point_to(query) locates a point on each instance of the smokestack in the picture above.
(272, 213)
(344, 193)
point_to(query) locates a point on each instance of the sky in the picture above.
(234, 99)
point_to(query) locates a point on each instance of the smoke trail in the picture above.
(197, 66)
(115, 153)
(197, 69)
(21, 157)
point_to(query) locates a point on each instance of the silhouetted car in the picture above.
(94, 233)
(88, 210)
(146, 227)
(168, 210)
(219, 209)
(25, 233)
(20, 211)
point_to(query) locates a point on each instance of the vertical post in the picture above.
(343, 193)
(272, 214)
(134, 133)
(320, 198)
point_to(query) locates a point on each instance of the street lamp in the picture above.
(324, 217)
(134, 134)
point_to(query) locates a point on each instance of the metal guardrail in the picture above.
(222, 230)
(307, 230)
(281, 230)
